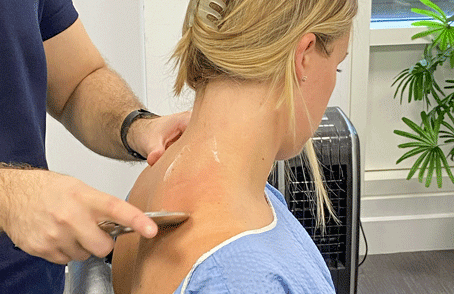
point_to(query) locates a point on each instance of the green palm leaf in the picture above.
(417, 129)
(435, 7)
(404, 77)
(399, 76)
(445, 164)
(425, 143)
(430, 170)
(439, 27)
(416, 165)
(411, 136)
(450, 82)
(451, 154)
(412, 144)
(438, 169)
(448, 126)
(428, 13)
(449, 134)
(424, 166)
(426, 33)
(411, 153)
(428, 23)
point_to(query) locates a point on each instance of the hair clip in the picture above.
(209, 11)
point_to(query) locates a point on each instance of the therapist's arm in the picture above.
(91, 100)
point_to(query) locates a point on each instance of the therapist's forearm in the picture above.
(96, 109)
(16, 180)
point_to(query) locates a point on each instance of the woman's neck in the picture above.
(234, 134)
(223, 159)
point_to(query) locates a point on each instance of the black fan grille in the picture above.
(300, 195)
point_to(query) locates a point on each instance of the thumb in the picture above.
(155, 154)
(160, 146)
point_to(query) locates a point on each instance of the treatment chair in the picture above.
(92, 276)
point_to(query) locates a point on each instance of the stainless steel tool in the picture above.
(161, 218)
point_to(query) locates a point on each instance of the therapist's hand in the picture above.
(151, 137)
(56, 217)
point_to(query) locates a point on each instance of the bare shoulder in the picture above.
(126, 246)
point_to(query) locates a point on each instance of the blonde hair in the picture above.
(257, 40)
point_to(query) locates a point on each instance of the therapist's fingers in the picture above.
(123, 213)
(92, 239)
(77, 252)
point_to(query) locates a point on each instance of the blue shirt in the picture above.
(279, 258)
(24, 25)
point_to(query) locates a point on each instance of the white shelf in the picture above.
(394, 33)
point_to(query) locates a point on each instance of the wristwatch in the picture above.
(133, 116)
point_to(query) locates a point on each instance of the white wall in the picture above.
(116, 28)
(163, 25)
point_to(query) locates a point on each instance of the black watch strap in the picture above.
(133, 116)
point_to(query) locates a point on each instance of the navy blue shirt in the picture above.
(24, 26)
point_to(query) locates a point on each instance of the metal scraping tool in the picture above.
(161, 218)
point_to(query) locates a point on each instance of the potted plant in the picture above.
(418, 83)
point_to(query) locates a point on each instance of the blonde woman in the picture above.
(263, 72)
